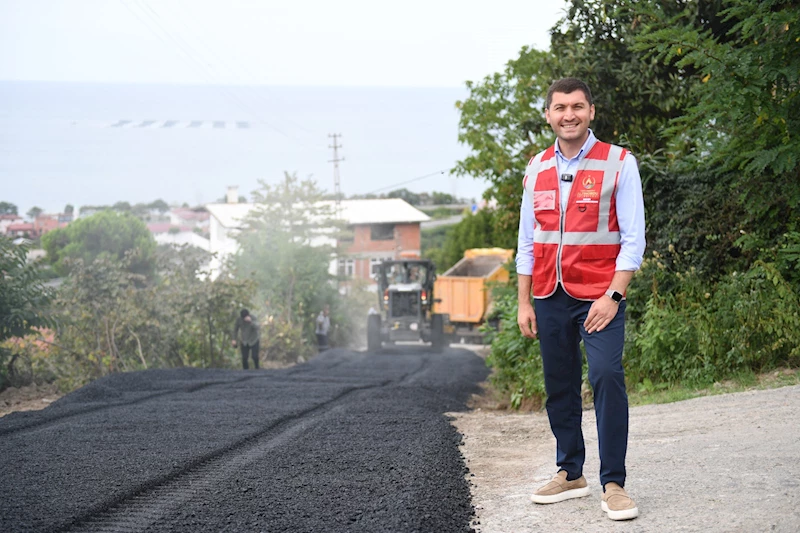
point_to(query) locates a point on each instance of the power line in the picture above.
(187, 51)
(409, 181)
(182, 18)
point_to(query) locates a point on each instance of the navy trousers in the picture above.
(560, 322)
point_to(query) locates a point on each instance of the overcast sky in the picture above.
(418, 43)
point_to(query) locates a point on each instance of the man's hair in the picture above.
(566, 86)
(244, 312)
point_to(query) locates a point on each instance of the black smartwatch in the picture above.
(614, 295)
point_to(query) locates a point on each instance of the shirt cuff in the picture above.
(626, 263)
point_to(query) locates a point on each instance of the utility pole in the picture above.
(337, 196)
(337, 190)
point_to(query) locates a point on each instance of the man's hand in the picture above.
(233, 343)
(526, 320)
(601, 313)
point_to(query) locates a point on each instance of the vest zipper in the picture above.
(560, 233)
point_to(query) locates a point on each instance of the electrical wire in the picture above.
(409, 181)
(182, 18)
(187, 51)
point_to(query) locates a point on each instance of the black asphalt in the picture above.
(346, 442)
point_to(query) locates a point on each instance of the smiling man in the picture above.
(581, 237)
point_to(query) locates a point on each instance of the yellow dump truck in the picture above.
(462, 294)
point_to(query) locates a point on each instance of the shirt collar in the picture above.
(590, 140)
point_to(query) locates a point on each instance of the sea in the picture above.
(90, 144)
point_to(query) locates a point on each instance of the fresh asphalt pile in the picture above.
(346, 442)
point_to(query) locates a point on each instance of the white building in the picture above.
(381, 229)
(184, 237)
(8, 220)
(184, 216)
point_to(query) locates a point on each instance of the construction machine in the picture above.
(405, 305)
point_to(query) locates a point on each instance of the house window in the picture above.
(346, 236)
(381, 232)
(375, 263)
(347, 267)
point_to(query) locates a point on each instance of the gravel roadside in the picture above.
(726, 463)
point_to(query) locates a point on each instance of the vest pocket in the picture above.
(599, 251)
(544, 200)
(597, 265)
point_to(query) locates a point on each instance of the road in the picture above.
(345, 442)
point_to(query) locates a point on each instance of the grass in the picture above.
(745, 381)
(492, 399)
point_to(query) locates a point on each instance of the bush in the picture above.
(282, 342)
(680, 327)
(516, 360)
(697, 332)
(757, 321)
(24, 304)
(30, 360)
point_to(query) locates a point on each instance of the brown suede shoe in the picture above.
(559, 489)
(617, 504)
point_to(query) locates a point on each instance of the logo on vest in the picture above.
(588, 193)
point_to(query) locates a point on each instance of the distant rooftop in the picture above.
(166, 227)
(372, 211)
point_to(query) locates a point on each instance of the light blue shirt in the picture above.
(629, 205)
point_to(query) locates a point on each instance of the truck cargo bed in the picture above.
(462, 289)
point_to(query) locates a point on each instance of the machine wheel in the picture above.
(373, 333)
(437, 332)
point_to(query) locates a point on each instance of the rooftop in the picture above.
(373, 211)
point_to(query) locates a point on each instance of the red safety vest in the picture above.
(579, 246)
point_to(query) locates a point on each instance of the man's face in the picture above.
(569, 115)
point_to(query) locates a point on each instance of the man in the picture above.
(581, 237)
(322, 327)
(250, 337)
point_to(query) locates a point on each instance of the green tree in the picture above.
(96, 320)
(7, 208)
(286, 247)
(160, 205)
(108, 234)
(111, 320)
(503, 124)
(441, 198)
(34, 212)
(433, 240)
(404, 194)
(474, 231)
(636, 97)
(705, 93)
(24, 301)
(88, 209)
(198, 309)
(69, 209)
(140, 210)
(745, 107)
